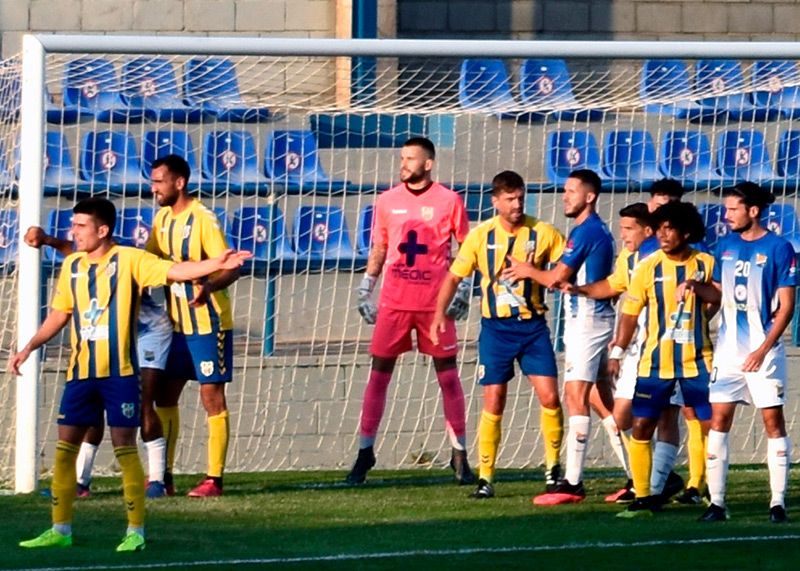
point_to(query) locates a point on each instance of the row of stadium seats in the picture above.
(630, 159)
(108, 160)
(719, 91)
(149, 90)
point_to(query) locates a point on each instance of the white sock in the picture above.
(664, 455)
(139, 530)
(365, 442)
(577, 440)
(85, 463)
(63, 528)
(617, 445)
(717, 458)
(778, 460)
(156, 459)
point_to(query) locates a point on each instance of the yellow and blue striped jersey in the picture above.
(486, 248)
(193, 235)
(620, 278)
(102, 296)
(674, 347)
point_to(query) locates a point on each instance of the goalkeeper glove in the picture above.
(366, 307)
(459, 307)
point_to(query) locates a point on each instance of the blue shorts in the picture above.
(503, 341)
(84, 401)
(204, 358)
(652, 396)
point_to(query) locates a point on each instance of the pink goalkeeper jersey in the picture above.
(417, 231)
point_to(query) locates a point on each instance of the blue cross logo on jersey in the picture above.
(94, 312)
(411, 248)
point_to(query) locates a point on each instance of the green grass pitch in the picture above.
(406, 519)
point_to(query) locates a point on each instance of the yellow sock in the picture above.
(696, 449)
(65, 482)
(170, 420)
(489, 432)
(640, 455)
(218, 434)
(552, 423)
(132, 483)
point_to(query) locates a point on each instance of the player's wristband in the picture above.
(616, 352)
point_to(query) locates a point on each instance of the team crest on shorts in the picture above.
(481, 371)
(149, 356)
(427, 213)
(207, 368)
(128, 409)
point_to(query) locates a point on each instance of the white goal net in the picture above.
(292, 150)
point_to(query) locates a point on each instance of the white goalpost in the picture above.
(291, 153)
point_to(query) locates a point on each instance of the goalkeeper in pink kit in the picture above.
(414, 224)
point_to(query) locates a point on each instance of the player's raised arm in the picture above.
(36, 237)
(229, 260)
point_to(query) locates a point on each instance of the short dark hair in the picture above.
(684, 217)
(175, 164)
(639, 212)
(587, 176)
(752, 195)
(423, 142)
(100, 209)
(506, 181)
(668, 186)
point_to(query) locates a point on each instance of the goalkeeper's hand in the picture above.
(459, 306)
(366, 307)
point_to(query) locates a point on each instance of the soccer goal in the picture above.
(291, 140)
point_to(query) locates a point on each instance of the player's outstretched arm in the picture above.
(446, 293)
(708, 292)
(35, 237)
(54, 322)
(598, 290)
(228, 260)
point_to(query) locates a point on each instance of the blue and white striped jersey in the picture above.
(590, 253)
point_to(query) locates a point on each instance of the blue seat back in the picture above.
(91, 83)
(364, 230)
(58, 170)
(713, 215)
(788, 165)
(664, 80)
(714, 79)
(211, 80)
(546, 83)
(291, 157)
(59, 224)
(158, 144)
(230, 157)
(134, 226)
(320, 232)
(9, 239)
(484, 86)
(782, 219)
(262, 230)
(630, 156)
(686, 155)
(776, 84)
(743, 155)
(109, 157)
(568, 151)
(150, 82)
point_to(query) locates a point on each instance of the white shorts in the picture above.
(765, 388)
(586, 348)
(153, 346)
(629, 371)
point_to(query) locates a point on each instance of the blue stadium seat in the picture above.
(788, 165)
(717, 227)
(320, 235)
(262, 230)
(567, 151)
(91, 84)
(158, 144)
(629, 159)
(776, 86)
(230, 162)
(715, 80)
(782, 219)
(9, 240)
(8, 174)
(61, 114)
(134, 225)
(59, 175)
(686, 156)
(364, 230)
(59, 224)
(109, 162)
(484, 86)
(291, 159)
(545, 85)
(150, 84)
(211, 85)
(665, 90)
(743, 155)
